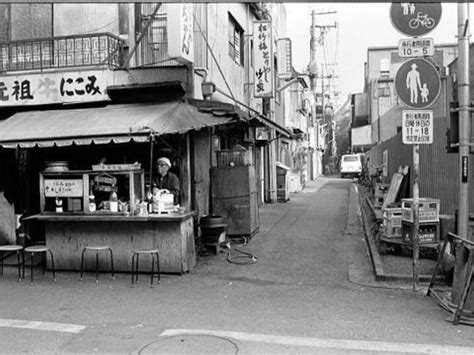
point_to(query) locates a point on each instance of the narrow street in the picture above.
(311, 291)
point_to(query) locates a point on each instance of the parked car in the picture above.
(351, 165)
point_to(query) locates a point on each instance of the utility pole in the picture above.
(313, 75)
(464, 143)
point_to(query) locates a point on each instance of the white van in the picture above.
(350, 165)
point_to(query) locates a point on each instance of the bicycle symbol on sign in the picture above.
(421, 20)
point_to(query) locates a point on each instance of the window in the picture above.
(236, 41)
(385, 65)
(384, 91)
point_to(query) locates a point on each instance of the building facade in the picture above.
(88, 56)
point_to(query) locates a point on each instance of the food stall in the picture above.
(107, 206)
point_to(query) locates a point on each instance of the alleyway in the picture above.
(311, 291)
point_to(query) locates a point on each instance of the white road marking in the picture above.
(50, 326)
(329, 343)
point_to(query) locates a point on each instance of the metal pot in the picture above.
(210, 221)
(55, 166)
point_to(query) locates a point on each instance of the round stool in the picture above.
(98, 249)
(38, 249)
(154, 256)
(12, 248)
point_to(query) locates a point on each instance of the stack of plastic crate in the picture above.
(428, 220)
(392, 222)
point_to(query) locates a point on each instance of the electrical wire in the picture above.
(245, 258)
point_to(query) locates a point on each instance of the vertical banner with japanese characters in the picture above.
(284, 64)
(180, 31)
(263, 59)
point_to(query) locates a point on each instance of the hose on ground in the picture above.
(245, 258)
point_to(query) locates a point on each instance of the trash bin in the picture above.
(447, 224)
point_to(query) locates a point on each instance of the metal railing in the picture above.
(98, 49)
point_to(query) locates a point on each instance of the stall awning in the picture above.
(112, 123)
(217, 107)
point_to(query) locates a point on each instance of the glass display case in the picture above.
(92, 191)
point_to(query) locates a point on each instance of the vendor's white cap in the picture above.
(164, 160)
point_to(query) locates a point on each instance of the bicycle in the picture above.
(422, 20)
(376, 178)
(364, 178)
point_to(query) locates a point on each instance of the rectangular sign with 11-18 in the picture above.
(417, 127)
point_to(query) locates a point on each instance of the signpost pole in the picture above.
(416, 218)
(417, 126)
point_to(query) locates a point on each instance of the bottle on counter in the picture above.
(113, 202)
(92, 204)
(59, 205)
(155, 189)
(156, 200)
(148, 199)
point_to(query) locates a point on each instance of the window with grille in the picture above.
(236, 41)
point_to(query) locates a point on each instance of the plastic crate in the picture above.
(391, 232)
(428, 210)
(392, 216)
(428, 232)
(236, 157)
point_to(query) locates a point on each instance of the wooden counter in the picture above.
(172, 234)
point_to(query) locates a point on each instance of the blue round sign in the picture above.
(415, 19)
(417, 83)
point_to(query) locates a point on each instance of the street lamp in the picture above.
(207, 88)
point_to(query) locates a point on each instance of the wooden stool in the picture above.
(154, 254)
(12, 248)
(97, 249)
(38, 249)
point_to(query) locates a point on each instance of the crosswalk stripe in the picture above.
(49, 326)
(329, 343)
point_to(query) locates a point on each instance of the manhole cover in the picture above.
(191, 344)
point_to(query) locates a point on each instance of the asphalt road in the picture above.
(311, 291)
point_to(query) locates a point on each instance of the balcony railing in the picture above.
(99, 49)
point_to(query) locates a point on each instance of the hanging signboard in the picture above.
(417, 127)
(416, 47)
(104, 182)
(54, 87)
(283, 51)
(263, 59)
(180, 31)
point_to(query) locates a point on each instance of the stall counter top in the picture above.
(110, 217)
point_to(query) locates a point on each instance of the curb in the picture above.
(373, 252)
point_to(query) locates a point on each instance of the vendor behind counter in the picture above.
(165, 179)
